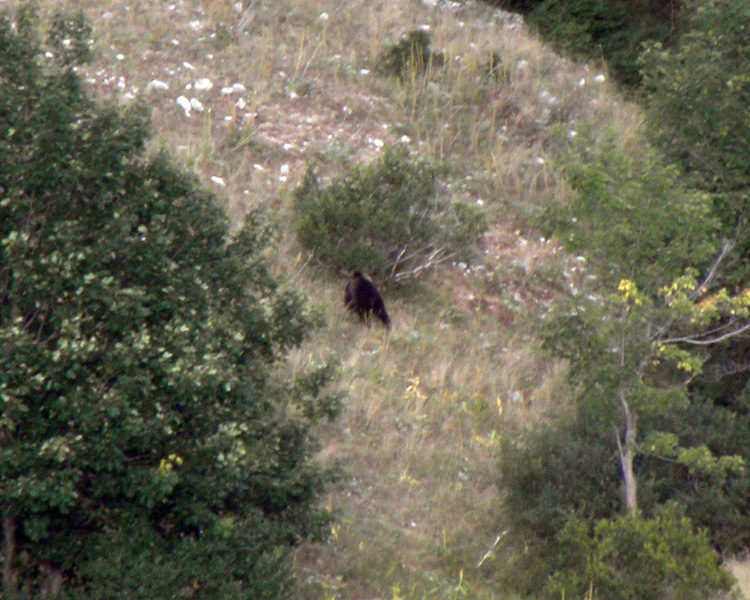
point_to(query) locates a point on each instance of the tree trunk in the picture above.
(53, 582)
(626, 447)
(9, 554)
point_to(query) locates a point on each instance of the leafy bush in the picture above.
(572, 468)
(634, 558)
(630, 214)
(386, 217)
(411, 54)
(545, 477)
(146, 449)
(716, 504)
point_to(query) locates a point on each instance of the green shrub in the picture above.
(411, 54)
(634, 558)
(591, 29)
(386, 218)
(148, 448)
(546, 476)
(716, 504)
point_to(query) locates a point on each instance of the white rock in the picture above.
(185, 104)
(157, 85)
(203, 84)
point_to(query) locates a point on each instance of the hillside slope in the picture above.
(246, 96)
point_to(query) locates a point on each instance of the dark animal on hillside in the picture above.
(362, 298)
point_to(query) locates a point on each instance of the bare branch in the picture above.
(700, 340)
(398, 259)
(436, 257)
(246, 18)
(706, 338)
(10, 584)
(714, 269)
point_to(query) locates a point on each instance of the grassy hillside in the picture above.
(271, 86)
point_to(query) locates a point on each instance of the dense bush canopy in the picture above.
(386, 217)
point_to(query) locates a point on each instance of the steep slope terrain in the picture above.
(247, 95)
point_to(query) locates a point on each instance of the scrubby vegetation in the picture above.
(413, 54)
(388, 218)
(560, 407)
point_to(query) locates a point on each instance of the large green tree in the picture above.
(149, 447)
(700, 114)
(636, 337)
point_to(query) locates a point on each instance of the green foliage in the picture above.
(412, 54)
(547, 476)
(698, 460)
(147, 448)
(629, 214)
(626, 378)
(592, 29)
(570, 470)
(714, 499)
(386, 217)
(700, 113)
(634, 558)
(596, 29)
(700, 118)
(619, 370)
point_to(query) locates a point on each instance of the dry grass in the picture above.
(425, 405)
(741, 571)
